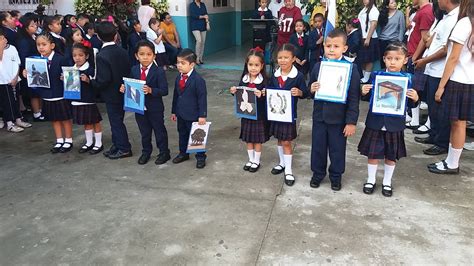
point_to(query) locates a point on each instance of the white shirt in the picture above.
(373, 16)
(152, 36)
(107, 44)
(189, 74)
(463, 72)
(293, 73)
(144, 14)
(9, 65)
(442, 30)
(258, 79)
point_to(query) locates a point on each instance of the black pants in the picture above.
(440, 126)
(116, 115)
(184, 129)
(9, 103)
(152, 122)
(383, 46)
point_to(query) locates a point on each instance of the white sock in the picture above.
(415, 116)
(36, 115)
(428, 123)
(281, 155)
(89, 137)
(61, 140)
(288, 158)
(407, 118)
(251, 155)
(68, 140)
(10, 124)
(453, 157)
(372, 170)
(256, 158)
(98, 139)
(387, 175)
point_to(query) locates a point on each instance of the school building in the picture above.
(227, 27)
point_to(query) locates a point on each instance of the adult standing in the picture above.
(392, 24)
(145, 13)
(171, 37)
(199, 21)
(288, 15)
(369, 52)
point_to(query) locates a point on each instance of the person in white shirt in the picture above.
(155, 35)
(369, 52)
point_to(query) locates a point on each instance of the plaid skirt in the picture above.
(369, 54)
(379, 144)
(254, 131)
(283, 131)
(458, 101)
(57, 110)
(86, 114)
(419, 80)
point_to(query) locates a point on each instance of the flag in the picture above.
(331, 17)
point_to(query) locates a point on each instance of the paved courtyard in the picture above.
(74, 209)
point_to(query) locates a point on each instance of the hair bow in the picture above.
(355, 20)
(257, 49)
(87, 43)
(110, 19)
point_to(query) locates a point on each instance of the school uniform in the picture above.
(189, 104)
(255, 131)
(383, 136)
(60, 43)
(153, 118)
(281, 130)
(9, 67)
(112, 65)
(10, 34)
(133, 39)
(300, 41)
(85, 110)
(55, 107)
(263, 34)
(95, 41)
(329, 120)
(314, 50)
(354, 43)
(26, 48)
(371, 53)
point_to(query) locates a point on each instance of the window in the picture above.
(220, 3)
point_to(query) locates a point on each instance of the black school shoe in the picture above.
(95, 150)
(112, 149)
(336, 186)
(85, 148)
(181, 158)
(120, 155)
(387, 191)
(56, 148)
(289, 180)
(276, 171)
(435, 150)
(64, 149)
(247, 166)
(445, 171)
(427, 140)
(369, 188)
(254, 169)
(144, 158)
(200, 164)
(162, 158)
(314, 183)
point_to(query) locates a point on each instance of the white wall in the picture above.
(61, 6)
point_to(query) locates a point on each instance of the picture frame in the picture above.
(72, 83)
(389, 95)
(334, 79)
(134, 97)
(38, 72)
(279, 105)
(198, 137)
(246, 103)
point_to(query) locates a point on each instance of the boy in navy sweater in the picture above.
(189, 104)
(333, 122)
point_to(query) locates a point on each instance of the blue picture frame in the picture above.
(389, 95)
(72, 83)
(38, 72)
(279, 108)
(134, 97)
(334, 79)
(246, 103)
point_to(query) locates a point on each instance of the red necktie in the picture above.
(143, 74)
(281, 82)
(262, 14)
(251, 85)
(300, 41)
(182, 82)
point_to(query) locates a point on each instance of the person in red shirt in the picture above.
(287, 17)
(423, 19)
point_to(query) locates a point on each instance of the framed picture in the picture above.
(389, 95)
(334, 80)
(38, 75)
(134, 97)
(72, 83)
(279, 105)
(246, 103)
(198, 137)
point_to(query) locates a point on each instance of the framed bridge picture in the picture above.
(389, 95)
(198, 137)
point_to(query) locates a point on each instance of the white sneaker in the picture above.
(423, 106)
(23, 124)
(407, 118)
(2, 124)
(15, 129)
(469, 146)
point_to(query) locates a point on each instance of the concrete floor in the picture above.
(74, 209)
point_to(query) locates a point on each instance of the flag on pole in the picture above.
(331, 17)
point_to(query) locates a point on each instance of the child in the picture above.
(7, 24)
(254, 132)
(287, 77)
(9, 66)
(55, 108)
(91, 36)
(112, 65)
(262, 12)
(85, 111)
(16, 15)
(369, 52)
(288, 15)
(354, 41)
(456, 88)
(133, 39)
(189, 104)
(300, 41)
(315, 41)
(333, 122)
(154, 35)
(74, 36)
(155, 88)
(82, 19)
(52, 25)
(383, 136)
(69, 23)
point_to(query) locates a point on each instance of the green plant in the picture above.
(91, 7)
(160, 6)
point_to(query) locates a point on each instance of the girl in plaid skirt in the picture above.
(383, 136)
(254, 132)
(456, 88)
(85, 111)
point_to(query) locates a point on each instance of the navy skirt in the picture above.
(379, 144)
(86, 114)
(254, 131)
(369, 54)
(458, 101)
(283, 131)
(57, 110)
(419, 80)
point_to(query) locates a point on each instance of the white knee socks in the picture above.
(453, 157)
(256, 158)
(98, 139)
(281, 155)
(288, 158)
(388, 173)
(89, 137)
(251, 155)
(372, 170)
(415, 116)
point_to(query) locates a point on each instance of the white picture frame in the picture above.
(389, 95)
(334, 80)
(37, 72)
(279, 105)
